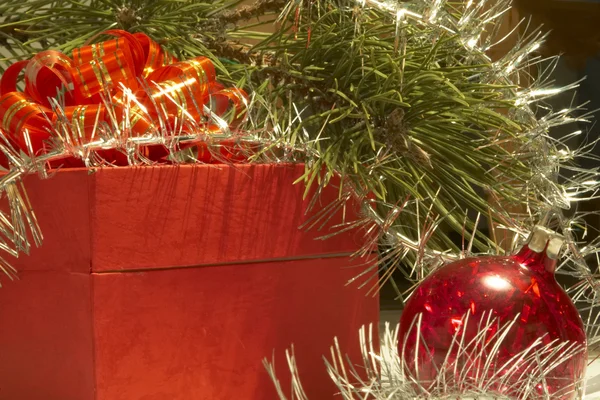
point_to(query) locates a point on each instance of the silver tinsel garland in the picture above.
(383, 374)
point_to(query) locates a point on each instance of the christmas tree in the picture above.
(400, 100)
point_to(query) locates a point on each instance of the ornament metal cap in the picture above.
(543, 239)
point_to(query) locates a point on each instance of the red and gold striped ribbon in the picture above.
(102, 70)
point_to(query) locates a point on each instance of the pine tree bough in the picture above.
(255, 10)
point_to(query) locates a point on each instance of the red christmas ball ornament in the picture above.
(500, 323)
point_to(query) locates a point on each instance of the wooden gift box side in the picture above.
(174, 283)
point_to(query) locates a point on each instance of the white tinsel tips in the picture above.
(383, 374)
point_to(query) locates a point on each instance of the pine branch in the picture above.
(65, 24)
(255, 10)
(14, 32)
(414, 118)
(236, 51)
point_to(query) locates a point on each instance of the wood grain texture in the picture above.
(163, 217)
(105, 311)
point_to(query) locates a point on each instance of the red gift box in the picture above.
(174, 282)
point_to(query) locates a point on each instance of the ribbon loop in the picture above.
(20, 113)
(49, 75)
(154, 56)
(8, 81)
(104, 74)
(182, 87)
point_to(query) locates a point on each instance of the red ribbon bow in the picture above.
(104, 69)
